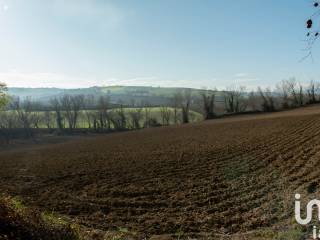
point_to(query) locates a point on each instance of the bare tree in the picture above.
(89, 102)
(185, 105)
(92, 119)
(300, 95)
(284, 91)
(295, 90)
(165, 113)
(268, 102)
(36, 119)
(23, 111)
(122, 117)
(9, 119)
(147, 114)
(292, 87)
(48, 119)
(253, 101)
(103, 106)
(119, 119)
(136, 116)
(235, 101)
(34, 109)
(72, 106)
(176, 104)
(208, 98)
(56, 105)
(313, 92)
(8, 124)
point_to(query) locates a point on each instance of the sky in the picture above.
(166, 43)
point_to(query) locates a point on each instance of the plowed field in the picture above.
(225, 176)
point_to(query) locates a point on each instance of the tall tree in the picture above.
(103, 106)
(186, 102)
(56, 105)
(72, 104)
(235, 100)
(176, 102)
(208, 104)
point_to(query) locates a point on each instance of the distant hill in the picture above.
(125, 94)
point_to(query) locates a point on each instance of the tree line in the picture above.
(69, 113)
(286, 94)
(73, 113)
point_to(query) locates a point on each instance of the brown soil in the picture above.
(225, 176)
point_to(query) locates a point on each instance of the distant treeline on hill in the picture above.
(127, 95)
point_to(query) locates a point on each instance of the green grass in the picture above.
(20, 222)
(291, 235)
(265, 234)
(54, 219)
(17, 204)
(17, 220)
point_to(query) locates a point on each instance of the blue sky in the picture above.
(186, 43)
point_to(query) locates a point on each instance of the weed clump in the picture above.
(19, 223)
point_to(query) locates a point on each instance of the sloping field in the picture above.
(223, 176)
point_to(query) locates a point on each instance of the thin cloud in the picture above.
(241, 75)
(14, 78)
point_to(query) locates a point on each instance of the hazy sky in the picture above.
(188, 43)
